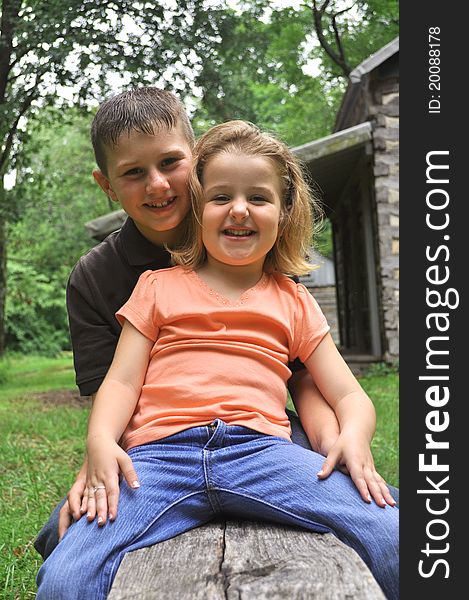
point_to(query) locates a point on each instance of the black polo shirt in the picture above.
(100, 283)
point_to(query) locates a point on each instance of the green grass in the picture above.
(383, 389)
(41, 449)
(22, 374)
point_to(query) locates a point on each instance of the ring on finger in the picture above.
(97, 487)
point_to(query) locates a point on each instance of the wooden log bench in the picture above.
(242, 561)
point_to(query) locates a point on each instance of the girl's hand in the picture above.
(106, 460)
(355, 454)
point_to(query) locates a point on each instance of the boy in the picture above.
(143, 141)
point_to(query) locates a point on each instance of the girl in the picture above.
(192, 429)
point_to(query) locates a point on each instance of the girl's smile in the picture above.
(242, 209)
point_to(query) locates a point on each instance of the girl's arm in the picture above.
(357, 419)
(112, 410)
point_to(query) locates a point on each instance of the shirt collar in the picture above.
(137, 249)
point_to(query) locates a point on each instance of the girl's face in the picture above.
(241, 215)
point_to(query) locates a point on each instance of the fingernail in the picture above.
(320, 472)
(135, 485)
(100, 520)
(111, 516)
(88, 515)
(369, 498)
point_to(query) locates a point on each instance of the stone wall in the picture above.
(325, 296)
(384, 115)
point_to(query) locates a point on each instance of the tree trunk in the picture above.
(3, 265)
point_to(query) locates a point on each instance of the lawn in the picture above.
(41, 445)
(382, 386)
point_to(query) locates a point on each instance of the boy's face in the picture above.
(147, 175)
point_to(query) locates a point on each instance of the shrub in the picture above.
(35, 316)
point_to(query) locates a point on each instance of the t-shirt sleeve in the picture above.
(141, 308)
(310, 325)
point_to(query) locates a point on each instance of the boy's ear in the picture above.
(104, 184)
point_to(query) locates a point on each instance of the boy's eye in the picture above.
(134, 171)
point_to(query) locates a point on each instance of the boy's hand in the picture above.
(75, 505)
(106, 460)
(355, 454)
(326, 443)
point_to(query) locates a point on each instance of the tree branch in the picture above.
(14, 126)
(341, 12)
(20, 55)
(338, 41)
(10, 12)
(337, 57)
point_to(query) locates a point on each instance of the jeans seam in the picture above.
(214, 503)
(281, 510)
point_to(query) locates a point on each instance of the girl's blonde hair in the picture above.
(299, 206)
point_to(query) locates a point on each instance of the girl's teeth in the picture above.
(238, 232)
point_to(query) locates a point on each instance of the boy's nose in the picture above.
(157, 182)
(239, 209)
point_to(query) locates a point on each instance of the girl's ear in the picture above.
(104, 184)
(282, 223)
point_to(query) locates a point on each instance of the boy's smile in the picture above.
(242, 209)
(147, 175)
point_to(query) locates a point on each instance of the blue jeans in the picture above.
(194, 476)
(48, 537)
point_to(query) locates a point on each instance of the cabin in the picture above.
(357, 171)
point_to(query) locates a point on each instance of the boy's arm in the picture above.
(357, 419)
(336, 381)
(316, 416)
(94, 330)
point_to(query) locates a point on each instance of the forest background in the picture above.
(282, 65)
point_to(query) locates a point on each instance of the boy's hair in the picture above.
(145, 110)
(289, 254)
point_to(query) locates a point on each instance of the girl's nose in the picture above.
(239, 209)
(156, 182)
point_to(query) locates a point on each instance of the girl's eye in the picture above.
(220, 199)
(167, 162)
(257, 199)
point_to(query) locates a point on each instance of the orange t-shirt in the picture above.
(213, 358)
